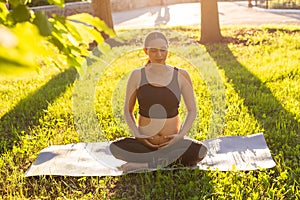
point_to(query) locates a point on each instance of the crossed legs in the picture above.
(185, 152)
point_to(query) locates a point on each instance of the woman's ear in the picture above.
(146, 51)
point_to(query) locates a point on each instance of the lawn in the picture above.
(258, 68)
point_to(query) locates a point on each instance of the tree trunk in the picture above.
(102, 9)
(210, 26)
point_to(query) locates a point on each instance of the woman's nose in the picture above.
(159, 53)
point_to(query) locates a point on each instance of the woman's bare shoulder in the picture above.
(184, 76)
(183, 72)
(135, 75)
(136, 71)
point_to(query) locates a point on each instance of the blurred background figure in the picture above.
(250, 3)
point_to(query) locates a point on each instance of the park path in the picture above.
(230, 13)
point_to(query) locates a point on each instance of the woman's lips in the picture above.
(159, 60)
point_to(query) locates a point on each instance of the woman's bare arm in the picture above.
(130, 100)
(189, 100)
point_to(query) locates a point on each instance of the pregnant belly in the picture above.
(157, 129)
(159, 139)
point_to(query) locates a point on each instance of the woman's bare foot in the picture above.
(130, 166)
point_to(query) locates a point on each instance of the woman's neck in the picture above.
(158, 68)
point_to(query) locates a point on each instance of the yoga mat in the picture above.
(94, 159)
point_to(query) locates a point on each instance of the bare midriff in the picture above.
(157, 129)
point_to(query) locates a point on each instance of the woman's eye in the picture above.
(156, 50)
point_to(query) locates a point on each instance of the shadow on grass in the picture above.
(281, 128)
(29, 110)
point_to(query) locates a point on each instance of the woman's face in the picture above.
(157, 51)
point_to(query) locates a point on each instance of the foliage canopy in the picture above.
(30, 39)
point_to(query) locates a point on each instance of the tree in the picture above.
(102, 10)
(210, 26)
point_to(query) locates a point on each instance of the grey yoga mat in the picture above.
(94, 159)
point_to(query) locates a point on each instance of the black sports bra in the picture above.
(158, 101)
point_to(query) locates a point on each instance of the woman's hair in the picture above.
(152, 36)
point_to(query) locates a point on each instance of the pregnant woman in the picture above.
(158, 134)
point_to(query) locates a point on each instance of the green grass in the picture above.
(260, 70)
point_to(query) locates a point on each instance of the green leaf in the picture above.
(41, 21)
(90, 34)
(74, 61)
(89, 20)
(25, 50)
(55, 40)
(74, 30)
(59, 24)
(15, 3)
(84, 32)
(20, 14)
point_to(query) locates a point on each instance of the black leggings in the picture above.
(185, 152)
